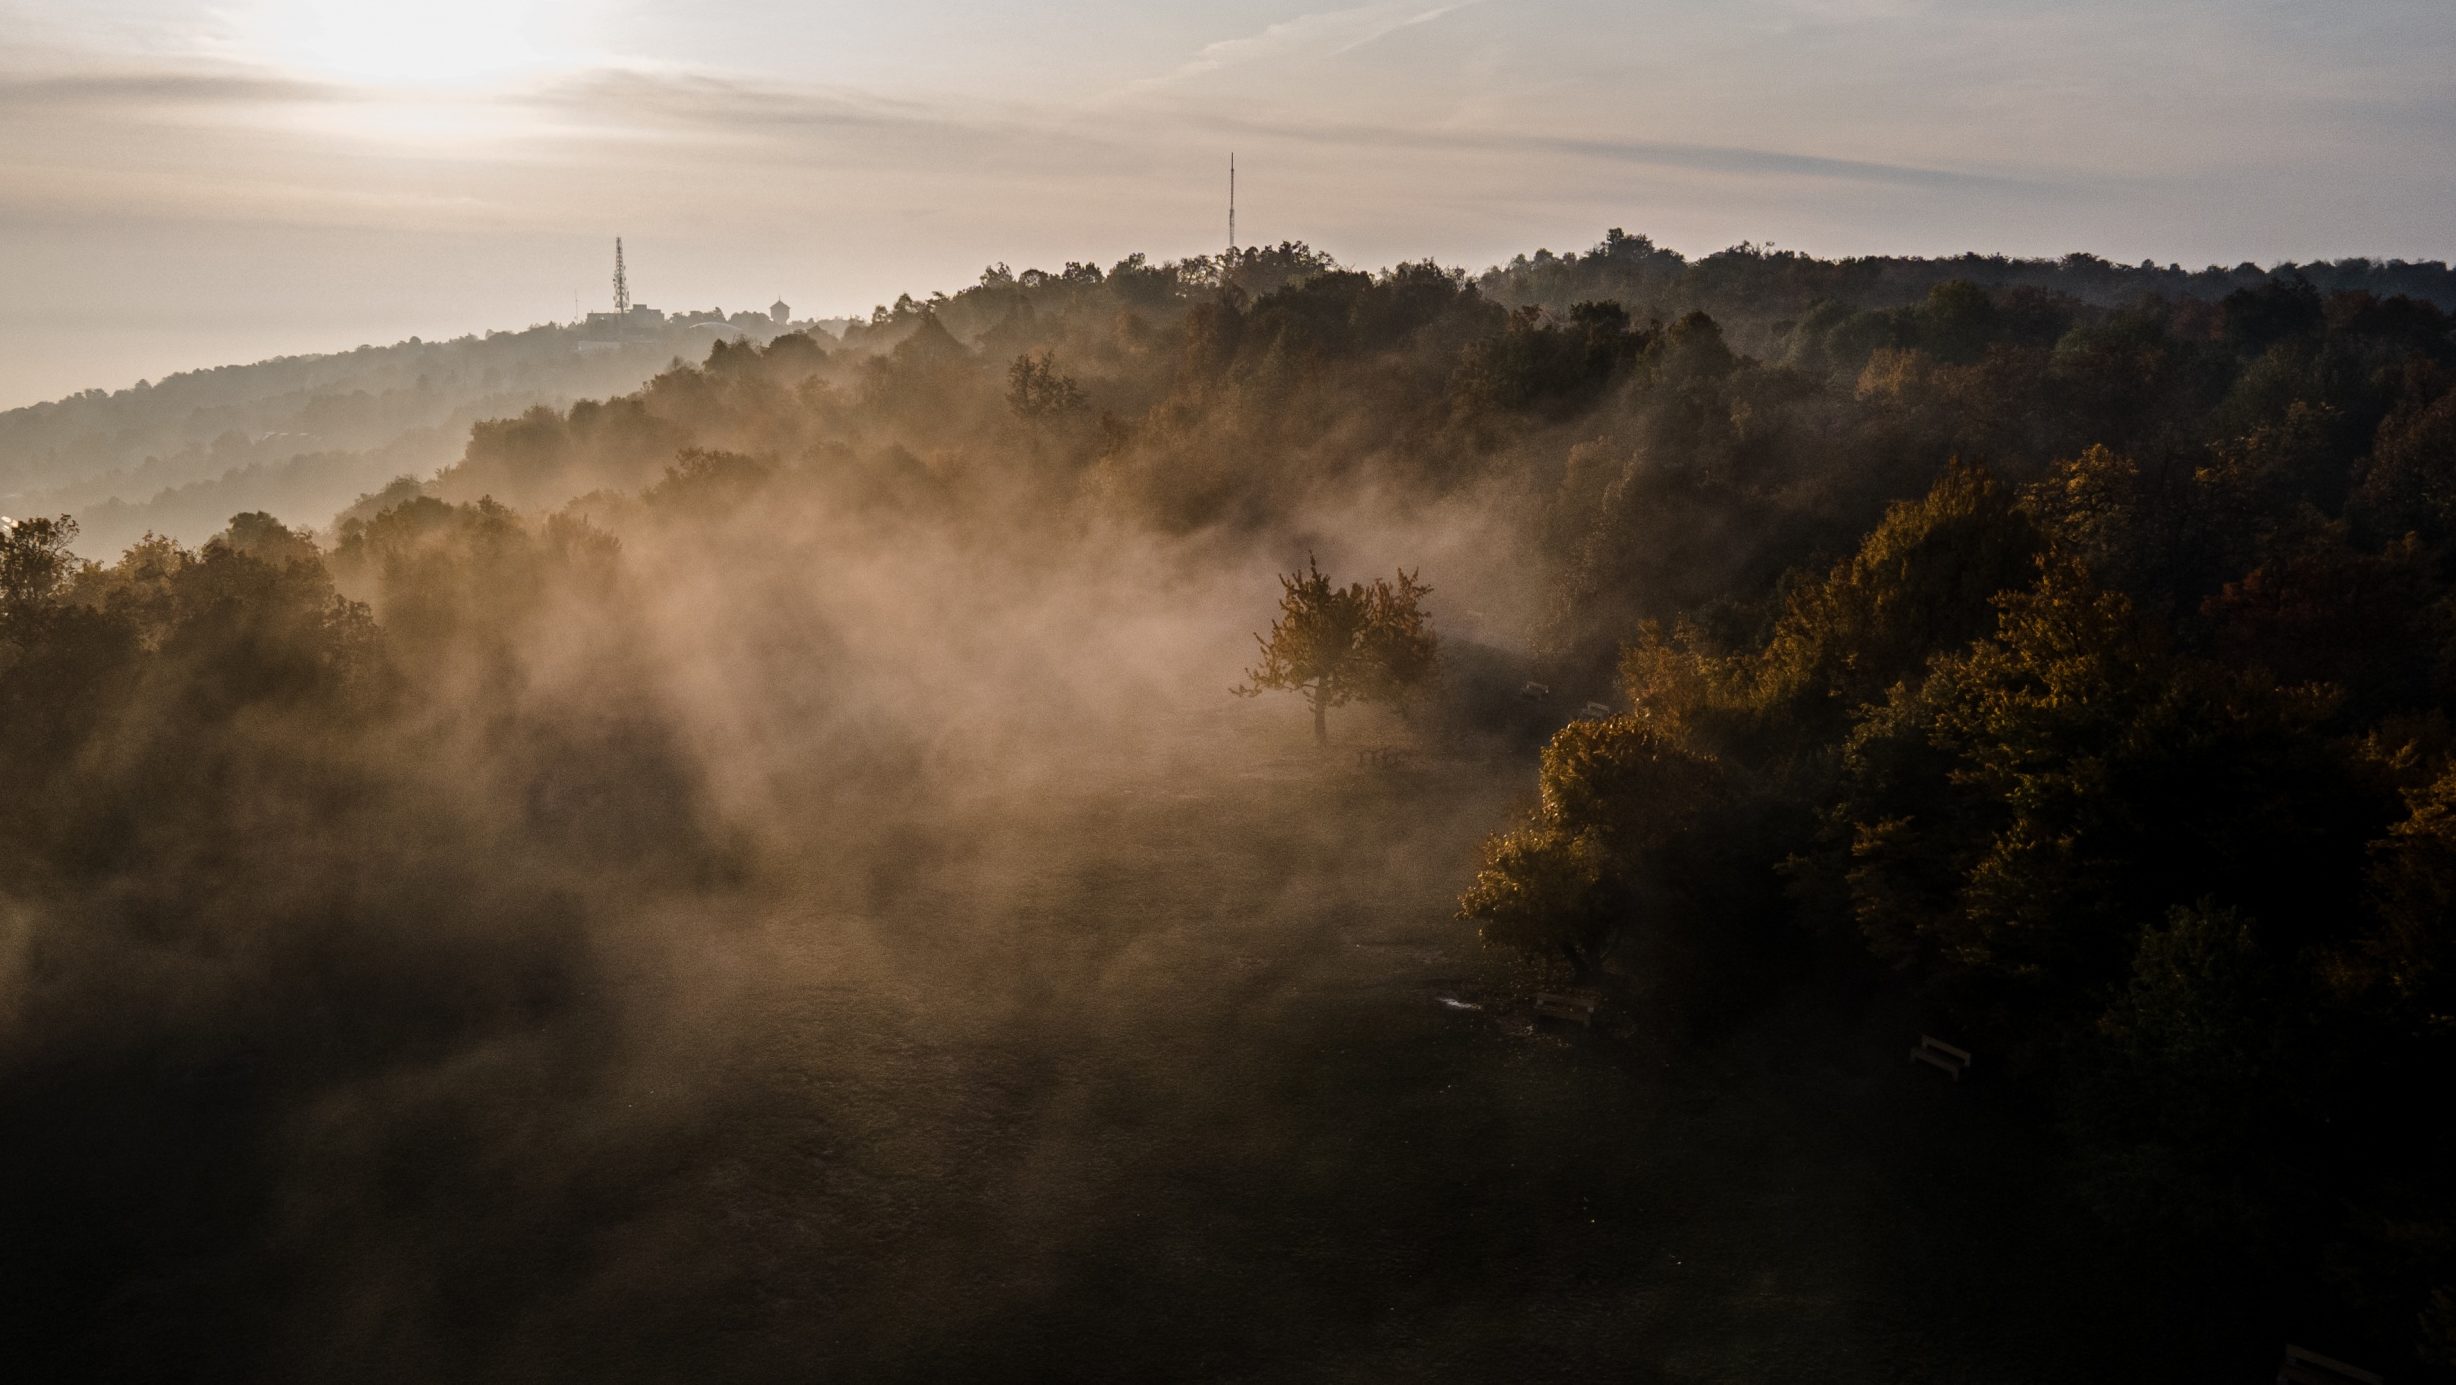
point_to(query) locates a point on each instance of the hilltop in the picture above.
(303, 437)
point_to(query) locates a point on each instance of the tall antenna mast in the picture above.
(622, 281)
(1232, 202)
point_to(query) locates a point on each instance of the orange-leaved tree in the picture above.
(1338, 645)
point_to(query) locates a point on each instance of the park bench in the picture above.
(2302, 1367)
(1937, 1053)
(1595, 711)
(1535, 692)
(1381, 757)
(1576, 1006)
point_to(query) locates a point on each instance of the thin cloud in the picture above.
(1327, 33)
(1408, 22)
(1717, 158)
(684, 98)
(695, 122)
(1702, 158)
(163, 88)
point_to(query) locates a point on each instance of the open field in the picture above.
(1162, 1082)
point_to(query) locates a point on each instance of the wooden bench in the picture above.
(2302, 1367)
(1595, 711)
(1578, 1006)
(1381, 757)
(1534, 691)
(1936, 1053)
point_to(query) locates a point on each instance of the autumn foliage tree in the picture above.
(2017, 817)
(34, 562)
(1615, 840)
(1336, 645)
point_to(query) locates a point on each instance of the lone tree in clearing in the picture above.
(1338, 645)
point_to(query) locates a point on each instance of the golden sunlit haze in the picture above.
(436, 45)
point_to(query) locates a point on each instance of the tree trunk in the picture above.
(1321, 723)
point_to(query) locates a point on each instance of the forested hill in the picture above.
(1658, 469)
(297, 435)
(302, 436)
(1751, 287)
(2069, 674)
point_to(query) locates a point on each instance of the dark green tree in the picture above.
(2178, 1114)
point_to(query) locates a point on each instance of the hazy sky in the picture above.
(186, 184)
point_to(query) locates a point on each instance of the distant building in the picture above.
(638, 319)
(608, 331)
(778, 313)
(629, 319)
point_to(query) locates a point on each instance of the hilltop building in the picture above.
(631, 321)
(641, 316)
(608, 331)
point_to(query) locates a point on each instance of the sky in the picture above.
(192, 184)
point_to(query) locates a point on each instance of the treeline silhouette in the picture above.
(2075, 644)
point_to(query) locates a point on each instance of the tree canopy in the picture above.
(1335, 645)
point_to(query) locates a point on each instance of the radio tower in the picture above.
(1232, 203)
(622, 281)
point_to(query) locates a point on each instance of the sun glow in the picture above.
(415, 44)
